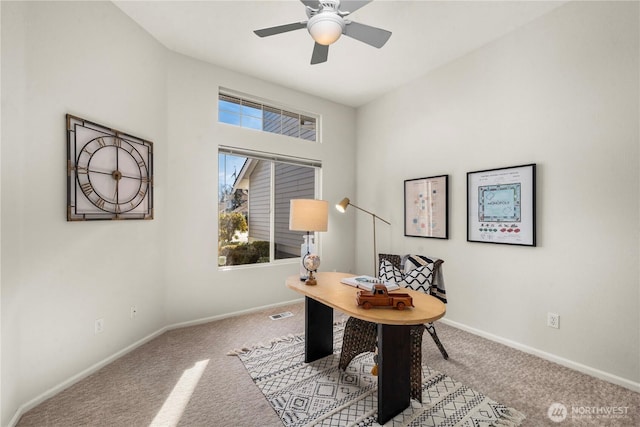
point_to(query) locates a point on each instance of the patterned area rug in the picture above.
(319, 394)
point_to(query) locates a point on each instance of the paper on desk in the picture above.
(367, 282)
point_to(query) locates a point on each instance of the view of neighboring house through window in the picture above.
(236, 110)
(254, 195)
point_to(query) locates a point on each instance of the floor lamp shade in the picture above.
(308, 215)
(342, 206)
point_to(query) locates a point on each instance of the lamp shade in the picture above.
(342, 206)
(308, 215)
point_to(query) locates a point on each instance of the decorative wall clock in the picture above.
(109, 173)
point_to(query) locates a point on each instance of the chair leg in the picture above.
(432, 332)
(416, 362)
(360, 336)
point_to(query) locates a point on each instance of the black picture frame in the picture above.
(501, 205)
(426, 207)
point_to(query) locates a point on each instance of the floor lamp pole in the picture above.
(375, 252)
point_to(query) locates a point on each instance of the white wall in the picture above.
(561, 92)
(195, 286)
(90, 60)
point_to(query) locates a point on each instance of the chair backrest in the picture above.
(390, 267)
(395, 260)
(416, 272)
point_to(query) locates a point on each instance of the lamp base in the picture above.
(311, 281)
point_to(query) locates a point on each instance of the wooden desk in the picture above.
(393, 333)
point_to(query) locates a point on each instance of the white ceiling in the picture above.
(426, 34)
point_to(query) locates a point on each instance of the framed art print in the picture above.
(501, 206)
(426, 207)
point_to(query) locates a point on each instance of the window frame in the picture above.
(273, 158)
(267, 105)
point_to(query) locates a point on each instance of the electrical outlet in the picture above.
(99, 326)
(134, 311)
(553, 320)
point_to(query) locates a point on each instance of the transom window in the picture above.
(235, 109)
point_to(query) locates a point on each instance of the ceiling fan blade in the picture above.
(311, 3)
(281, 29)
(372, 36)
(353, 5)
(320, 53)
(345, 5)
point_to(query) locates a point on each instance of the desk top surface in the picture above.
(332, 293)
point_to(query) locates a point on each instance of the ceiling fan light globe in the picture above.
(325, 28)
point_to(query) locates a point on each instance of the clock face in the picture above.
(109, 173)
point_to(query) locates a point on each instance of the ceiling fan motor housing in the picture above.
(326, 27)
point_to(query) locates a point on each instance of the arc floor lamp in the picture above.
(342, 207)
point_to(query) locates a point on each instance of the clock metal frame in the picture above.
(109, 173)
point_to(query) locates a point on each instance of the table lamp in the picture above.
(309, 215)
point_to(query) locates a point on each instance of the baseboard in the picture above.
(623, 382)
(232, 314)
(74, 379)
(94, 368)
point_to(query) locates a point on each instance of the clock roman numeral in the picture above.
(117, 142)
(142, 193)
(82, 170)
(100, 142)
(86, 188)
(100, 203)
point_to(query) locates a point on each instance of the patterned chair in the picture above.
(361, 336)
(419, 273)
(424, 274)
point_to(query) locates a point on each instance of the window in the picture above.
(237, 110)
(253, 214)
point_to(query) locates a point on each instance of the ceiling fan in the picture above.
(327, 23)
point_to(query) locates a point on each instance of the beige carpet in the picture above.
(323, 395)
(185, 377)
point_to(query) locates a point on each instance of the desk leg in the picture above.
(394, 367)
(318, 330)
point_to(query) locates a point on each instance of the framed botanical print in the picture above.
(426, 207)
(501, 205)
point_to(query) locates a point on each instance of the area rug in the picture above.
(320, 394)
